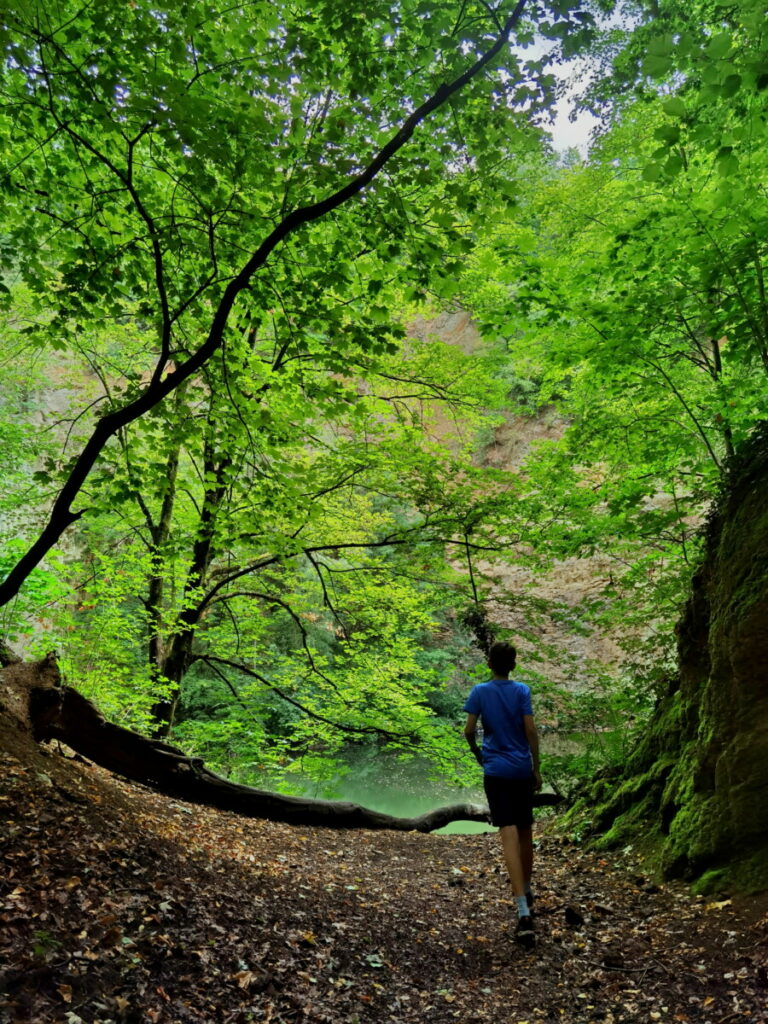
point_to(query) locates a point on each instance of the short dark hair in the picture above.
(502, 658)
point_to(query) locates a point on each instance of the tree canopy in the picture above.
(222, 221)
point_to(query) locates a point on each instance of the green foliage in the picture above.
(46, 587)
(181, 132)
(146, 160)
(632, 289)
(102, 637)
(268, 559)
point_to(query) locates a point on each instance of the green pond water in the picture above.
(407, 788)
(404, 789)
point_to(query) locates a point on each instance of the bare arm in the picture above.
(470, 733)
(533, 742)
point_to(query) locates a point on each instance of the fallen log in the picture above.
(57, 712)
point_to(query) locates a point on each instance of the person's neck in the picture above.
(497, 676)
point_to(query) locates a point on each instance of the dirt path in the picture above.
(118, 905)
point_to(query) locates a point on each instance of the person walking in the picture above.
(511, 774)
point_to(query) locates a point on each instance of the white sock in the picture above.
(522, 906)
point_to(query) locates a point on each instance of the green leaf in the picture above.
(719, 46)
(727, 164)
(657, 67)
(674, 106)
(730, 86)
(661, 46)
(668, 133)
(652, 172)
(674, 165)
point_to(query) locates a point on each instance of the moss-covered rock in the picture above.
(697, 782)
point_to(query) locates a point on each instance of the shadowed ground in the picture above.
(120, 904)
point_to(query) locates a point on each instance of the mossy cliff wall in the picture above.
(697, 783)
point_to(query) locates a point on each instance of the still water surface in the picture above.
(406, 788)
(401, 788)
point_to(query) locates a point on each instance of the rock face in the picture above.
(700, 774)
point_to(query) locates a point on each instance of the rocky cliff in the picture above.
(699, 777)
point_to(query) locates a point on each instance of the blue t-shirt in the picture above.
(501, 705)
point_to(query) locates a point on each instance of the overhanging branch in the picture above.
(369, 730)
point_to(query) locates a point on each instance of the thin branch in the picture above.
(126, 178)
(271, 599)
(694, 419)
(231, 686)
(471, 571)
(393, 541)
(354, 729)
(326, 597)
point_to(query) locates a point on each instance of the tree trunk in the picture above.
(179, 657)
(173, 668)
(699, 776)
(32, 693)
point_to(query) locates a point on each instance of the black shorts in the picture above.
(510, 801)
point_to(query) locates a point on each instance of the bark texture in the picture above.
(33, 695)
(700, 773)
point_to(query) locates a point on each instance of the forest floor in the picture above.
(120, 905)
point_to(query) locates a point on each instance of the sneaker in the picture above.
(525, 934)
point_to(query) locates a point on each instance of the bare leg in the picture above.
(525, 836)
(518, 849)
(511, 845)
